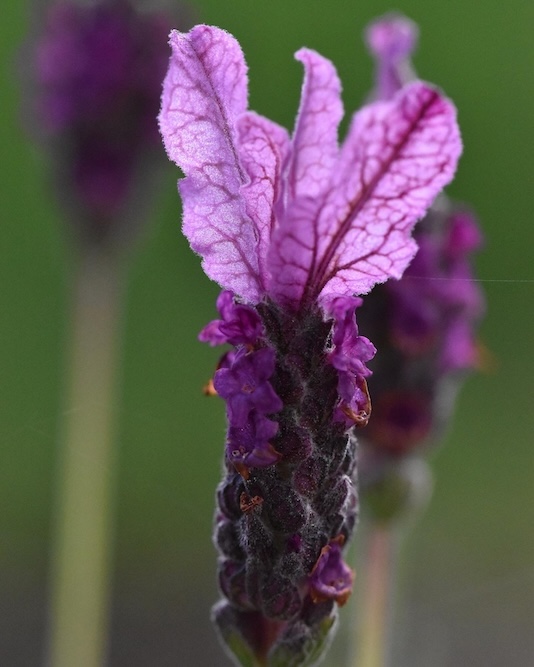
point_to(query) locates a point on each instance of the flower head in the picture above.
(292, 228)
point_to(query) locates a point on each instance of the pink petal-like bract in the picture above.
(315, 145)
(397, 156)
(263, 147)
(299, 220)
(204, 94)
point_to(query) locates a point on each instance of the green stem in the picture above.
(81, 557)
(376, 598)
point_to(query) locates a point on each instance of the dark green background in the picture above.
(467, 577)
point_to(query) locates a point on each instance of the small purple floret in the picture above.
(239, 324)
(351, 351)
(331, 577)
(249, 446)
(349, 356)
(245, 385)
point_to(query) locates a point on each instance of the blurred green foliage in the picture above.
(467, 578)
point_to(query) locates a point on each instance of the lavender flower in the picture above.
(292, 228)
(98, 69)
(424, 324)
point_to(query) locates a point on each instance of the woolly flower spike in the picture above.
(301, 219)
(292, 228)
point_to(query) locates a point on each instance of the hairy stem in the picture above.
(81, 557)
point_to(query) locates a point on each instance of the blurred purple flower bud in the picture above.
(392, 40)
(95, 89)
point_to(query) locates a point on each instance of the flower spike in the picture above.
(293, 229)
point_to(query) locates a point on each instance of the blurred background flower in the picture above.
(467, 579)
(94, 73)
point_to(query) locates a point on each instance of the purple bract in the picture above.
(299, 219)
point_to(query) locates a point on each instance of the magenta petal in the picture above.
(292, 251)
(392, 37)
(263, 147)
(204, 93)
(315, 144)
(397, 157)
